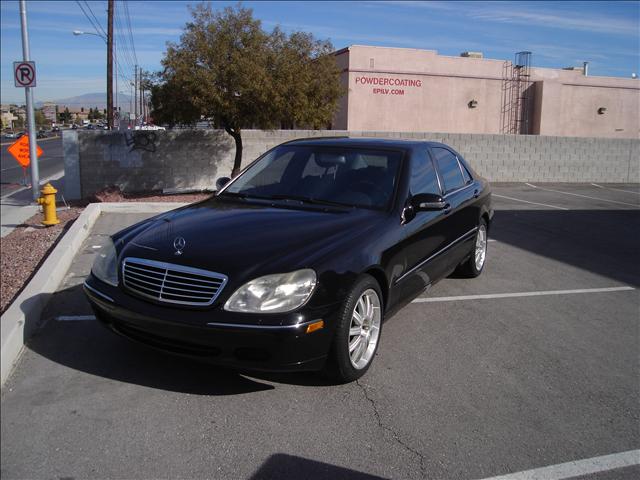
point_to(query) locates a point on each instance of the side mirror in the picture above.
(221, 182)
(428, 201)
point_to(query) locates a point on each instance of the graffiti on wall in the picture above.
(141, 141)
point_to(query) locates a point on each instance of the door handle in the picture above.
(447, 208)
(476, 193)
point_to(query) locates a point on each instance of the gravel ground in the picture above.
(26, 247)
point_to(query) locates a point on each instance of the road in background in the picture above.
(51, 164)
(16, 204)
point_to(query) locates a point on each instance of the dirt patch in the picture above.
(24, 250)
(114, 194)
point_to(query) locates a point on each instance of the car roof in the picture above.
(363, 142)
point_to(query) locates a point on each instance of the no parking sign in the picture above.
(24, 74)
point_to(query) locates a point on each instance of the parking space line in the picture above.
(577, 468)
(579, 195)
(520, 294)
(75, 318)
(527, 201)
(615, 189)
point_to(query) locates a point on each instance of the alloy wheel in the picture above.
(364, 329)
(481, 247)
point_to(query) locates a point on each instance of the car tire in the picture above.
(473, 266)
(357, 335)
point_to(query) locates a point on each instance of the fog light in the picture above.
(312, 327)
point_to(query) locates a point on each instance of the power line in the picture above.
(122, 42)
(100, 34)
(95, 18)
(128, 17)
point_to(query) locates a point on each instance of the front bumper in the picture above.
(276, 343)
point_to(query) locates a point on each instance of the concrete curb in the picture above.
(21, 318)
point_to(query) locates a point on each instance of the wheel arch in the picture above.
(378, 274)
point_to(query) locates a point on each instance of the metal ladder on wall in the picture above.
(517, 95)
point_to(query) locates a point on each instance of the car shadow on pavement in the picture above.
(87, 346)
(603, 242)
(289, 466)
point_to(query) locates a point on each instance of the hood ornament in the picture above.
(179, 244)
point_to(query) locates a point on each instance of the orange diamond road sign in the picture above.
(20, 150)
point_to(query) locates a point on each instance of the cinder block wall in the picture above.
(193, 159)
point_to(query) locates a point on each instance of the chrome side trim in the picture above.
(100, 294)
(442, 250)
(144, 246)
(452, 192)
(262, 327)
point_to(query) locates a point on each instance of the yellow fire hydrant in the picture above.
(48, 202)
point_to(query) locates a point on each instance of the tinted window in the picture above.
(423, 175)
(448, 168)
(349, 176)
(465, 173)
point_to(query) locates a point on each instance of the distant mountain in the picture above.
(92, 100)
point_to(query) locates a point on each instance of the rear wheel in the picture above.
(472, 267)
(358, 333)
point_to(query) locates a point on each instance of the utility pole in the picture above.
(141, 104)
(110, 64)
(31, 120)
(135, 97)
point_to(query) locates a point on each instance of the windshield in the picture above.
(353, 177)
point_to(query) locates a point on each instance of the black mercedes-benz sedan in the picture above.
(296, 262)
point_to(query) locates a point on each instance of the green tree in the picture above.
(226, 68)
(40, 119)
(65, 117)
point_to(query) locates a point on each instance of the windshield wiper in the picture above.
(302, 198)
(241, 195)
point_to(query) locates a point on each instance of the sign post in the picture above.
(25, 77)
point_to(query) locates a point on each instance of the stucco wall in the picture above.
(565, 102)
(193, 159)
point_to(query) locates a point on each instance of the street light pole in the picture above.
(31, 121)
(110, 64)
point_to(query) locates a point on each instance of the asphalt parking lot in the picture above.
(532, 365)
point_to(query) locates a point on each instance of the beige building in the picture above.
(49, 111)
(402, 89)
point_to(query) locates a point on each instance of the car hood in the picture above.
(244, 239)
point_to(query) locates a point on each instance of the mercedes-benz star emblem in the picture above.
(178, 244)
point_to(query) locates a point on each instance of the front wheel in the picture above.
(474, 265)
(358, 332)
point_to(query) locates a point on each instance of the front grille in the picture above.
(166, 282)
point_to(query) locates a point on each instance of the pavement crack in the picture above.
(391, 431)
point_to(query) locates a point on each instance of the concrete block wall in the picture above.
(193, 159)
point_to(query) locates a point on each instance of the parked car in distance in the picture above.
(296, 263)
(91, 126)
(42, 134)
(149, 127)
(74, 126)
(10, 134)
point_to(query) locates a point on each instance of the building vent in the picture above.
(472, 54)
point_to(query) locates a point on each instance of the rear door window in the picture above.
(423, 174)
(449, 169)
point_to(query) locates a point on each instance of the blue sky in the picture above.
(558, 33)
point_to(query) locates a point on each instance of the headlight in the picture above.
(277, 293)
(105, 266)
